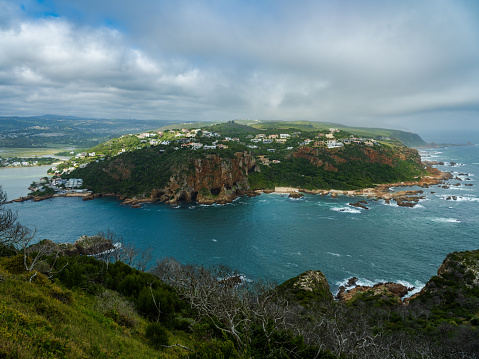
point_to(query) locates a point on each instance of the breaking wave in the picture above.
(345, 209)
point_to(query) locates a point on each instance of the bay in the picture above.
(274, 237)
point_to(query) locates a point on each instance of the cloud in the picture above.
(362, 62)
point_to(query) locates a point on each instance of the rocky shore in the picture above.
(457, 280)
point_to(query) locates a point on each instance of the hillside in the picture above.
(52, 131)
(83, 307)
(407, 138)
(217, 163)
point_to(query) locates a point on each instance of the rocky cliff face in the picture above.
(208, 180)
(329, 158)
(456, 284)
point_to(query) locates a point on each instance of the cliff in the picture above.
(208, 180)
(455, 288)
(148, 176)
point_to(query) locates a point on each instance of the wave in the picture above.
(459, 198)
(345, 209)
(334, 254)
(445, 220)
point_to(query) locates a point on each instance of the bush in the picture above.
(215, 349)
(156, 335)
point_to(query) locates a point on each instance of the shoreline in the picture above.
(406, 198)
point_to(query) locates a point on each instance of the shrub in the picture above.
(156, 335)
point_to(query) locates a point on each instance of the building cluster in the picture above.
(59, 185)
(11, 162)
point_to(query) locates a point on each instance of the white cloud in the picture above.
(338, 61)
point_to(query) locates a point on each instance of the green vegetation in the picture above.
(407, 138)
(134, 165)
(58, 306)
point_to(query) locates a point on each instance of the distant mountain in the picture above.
(55, 131)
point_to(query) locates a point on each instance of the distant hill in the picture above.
(55, 131)
(407, 138)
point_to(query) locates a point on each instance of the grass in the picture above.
(40, 319)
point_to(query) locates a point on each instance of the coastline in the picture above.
(407, 198)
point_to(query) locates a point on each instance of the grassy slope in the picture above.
(43, 320)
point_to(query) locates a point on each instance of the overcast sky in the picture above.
(385, 63)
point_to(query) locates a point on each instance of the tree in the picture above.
(12, 233)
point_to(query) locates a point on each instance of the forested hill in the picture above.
(219, 162)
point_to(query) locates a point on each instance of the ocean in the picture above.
(274, 237)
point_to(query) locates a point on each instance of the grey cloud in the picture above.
(344, 61)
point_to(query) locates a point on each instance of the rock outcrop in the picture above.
(456, 284)
(308, 288)
(85, 245)
(381, 293)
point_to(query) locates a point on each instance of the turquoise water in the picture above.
(272, 236)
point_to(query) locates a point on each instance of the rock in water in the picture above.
(296, 195)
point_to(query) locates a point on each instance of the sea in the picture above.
(276, 238)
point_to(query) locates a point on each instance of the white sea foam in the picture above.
(460, 198)
(445, 220)
(345, 209)
(214, 240)
(334, 254)
(391, 203)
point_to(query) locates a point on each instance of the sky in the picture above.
(410, 65)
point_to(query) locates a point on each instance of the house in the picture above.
(266, 141)
(261, 136)
(281, 140)
(74, 183)
(256, 140)
(329, 135)
(334, 144)
(206, 147)
(222, 146)
(284, 135)
(273, 137)
(264, 160)
(271, 150)
(252, 146)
